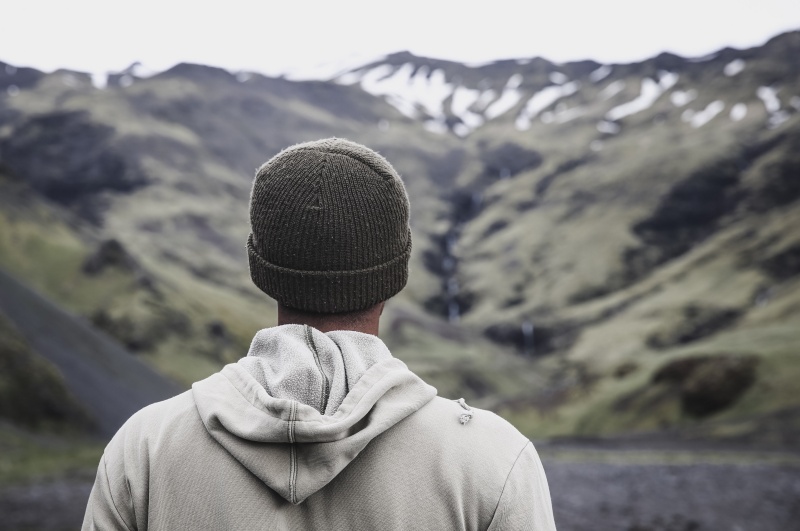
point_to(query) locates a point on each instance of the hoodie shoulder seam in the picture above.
(111, 495)
(505, 483)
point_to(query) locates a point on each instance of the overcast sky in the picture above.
(275, 37)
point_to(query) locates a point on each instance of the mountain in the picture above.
(599, 249)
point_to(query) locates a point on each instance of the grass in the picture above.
(44, 431)
(28, 457)
(32, 391)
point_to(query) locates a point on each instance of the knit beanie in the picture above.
(330, 228)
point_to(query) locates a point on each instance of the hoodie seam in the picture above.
(505, 483)
(325, 383)
(292, 454)
(111, 495)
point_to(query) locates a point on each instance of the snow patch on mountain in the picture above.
(733, 68)
(564, 114)
(609, 128)
(371, 78)
(558, 78)
(508, 99)
(679, 98)
(769, 96)
(613, 88)
(777, 119)
(409, 91)
(700, 118)
(431, 90)
(461, 130)
(383, 80)
(738, 112)
(486, 97)
(463, 99)
(650, 92)
(405, 107)
(600, 74)
(667, 80)
(542, 100)
(243, 76)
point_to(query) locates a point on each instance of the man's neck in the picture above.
(364, 321)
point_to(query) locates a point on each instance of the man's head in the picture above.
(329, 228)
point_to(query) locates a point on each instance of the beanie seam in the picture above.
(386, 176)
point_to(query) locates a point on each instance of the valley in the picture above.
(580, 229)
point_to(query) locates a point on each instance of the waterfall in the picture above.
(452, 286)
(452, 301)
(527, 338)
(477, 200)
(453, 311)
(450, 242)
(448, 264)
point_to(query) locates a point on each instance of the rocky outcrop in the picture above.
(71, 160)
(708, 384)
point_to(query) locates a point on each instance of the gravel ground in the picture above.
(594, 496)
(586, 496)
(53, 506)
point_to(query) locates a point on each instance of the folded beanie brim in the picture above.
(329, 291)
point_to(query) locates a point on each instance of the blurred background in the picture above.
(605, 206)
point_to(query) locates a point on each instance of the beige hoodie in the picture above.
(317, 431)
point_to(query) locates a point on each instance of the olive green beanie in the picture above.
(330, 228)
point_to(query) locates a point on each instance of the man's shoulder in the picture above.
(151, 421)
(456, 424)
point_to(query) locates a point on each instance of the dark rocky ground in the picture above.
(51, 506)
(595, 496)
(586, 496)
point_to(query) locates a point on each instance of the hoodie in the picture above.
(317, 430)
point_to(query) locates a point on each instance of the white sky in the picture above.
(274, 37)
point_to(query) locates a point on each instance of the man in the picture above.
(319, 427)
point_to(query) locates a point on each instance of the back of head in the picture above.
(329, 228)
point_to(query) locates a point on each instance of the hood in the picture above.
(303, 404)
